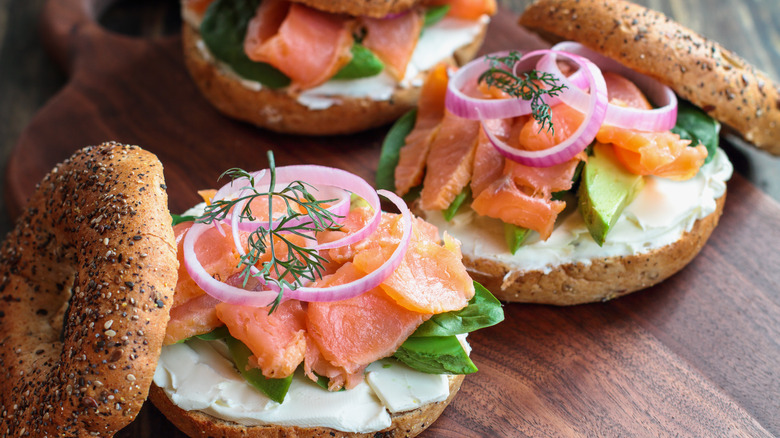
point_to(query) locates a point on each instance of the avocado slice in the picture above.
(607, 187)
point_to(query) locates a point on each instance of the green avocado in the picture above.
(436, 355)
(605, 190)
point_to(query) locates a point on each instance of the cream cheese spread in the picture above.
(197, 375)
(659, 215)
(437, 43)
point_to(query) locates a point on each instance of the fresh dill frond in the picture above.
(290, 264)
(532, 86)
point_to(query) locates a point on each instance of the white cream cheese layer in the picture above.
(197, 375)
(659, 215)
(437, 43)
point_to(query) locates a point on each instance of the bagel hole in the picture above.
(142, 18)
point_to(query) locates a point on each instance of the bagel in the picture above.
(567, 266)
(700, 70)
(199, 424)
(335, 107)
(87, 281)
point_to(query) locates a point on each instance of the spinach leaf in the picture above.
(275, 389)
(223, 29)
(177, 219)
(459, 200)
(695, 125)
(515, 236)
(391, 146)
(436, 355)
(483, 310)
(363, 64)
(216, 334)
(434, 14)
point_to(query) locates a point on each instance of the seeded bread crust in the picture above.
(601, 280)
(87, 280)
(201, 425)
(279, 111)
(371, 8)
(699, 70)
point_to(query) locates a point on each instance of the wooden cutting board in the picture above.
(695, 356)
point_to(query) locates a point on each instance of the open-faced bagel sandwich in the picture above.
(324, 67)
(576, 174)
(233, 324)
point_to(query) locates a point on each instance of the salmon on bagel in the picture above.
(319, 67)
(576, 174)
(364, 335)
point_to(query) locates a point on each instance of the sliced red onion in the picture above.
(317, 176)
(595, 111)
(476, 108)
(261, 298)
(662, 118)
(373, 279)
(215, 288)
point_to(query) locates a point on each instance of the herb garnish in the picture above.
(531, 85)
(293, 261)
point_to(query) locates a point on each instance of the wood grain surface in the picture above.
(697, 355)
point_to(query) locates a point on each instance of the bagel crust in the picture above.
(201, 425)
(278, 110)
(601, 279)
(371, 8)
(699, 70)
(87, 281)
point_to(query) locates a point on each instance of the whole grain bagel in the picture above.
(600, 280)
(201, 425)
(87, 281)
(699, 70)
(280, 111)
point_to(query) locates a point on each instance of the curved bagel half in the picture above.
(600, 280)
(699, 70)
(87, 281)
(199, 424)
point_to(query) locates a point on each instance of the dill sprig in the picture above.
(531, 85)
(290, 264)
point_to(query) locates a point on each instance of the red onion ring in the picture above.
(475, 108)
(594, 116)
(316, 176)
(658, 119)
(261, 298)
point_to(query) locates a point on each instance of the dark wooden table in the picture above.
(698, 355)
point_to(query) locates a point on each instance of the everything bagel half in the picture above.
(559, 217)
(87, 281)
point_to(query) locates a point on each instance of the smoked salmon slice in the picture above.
(216, 253)
(393, 40)
(467, 9)
(307, 45)
(505, 201)
(353, 333)
(663, 154)
(430, 111)
(488, 162)
(450, 161)
(565, 121)
(277, 340)
(430, 279)
(195, 317)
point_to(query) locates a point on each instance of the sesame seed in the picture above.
(108, 324)
(105, 241)
(131, 377)
(110, 333)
